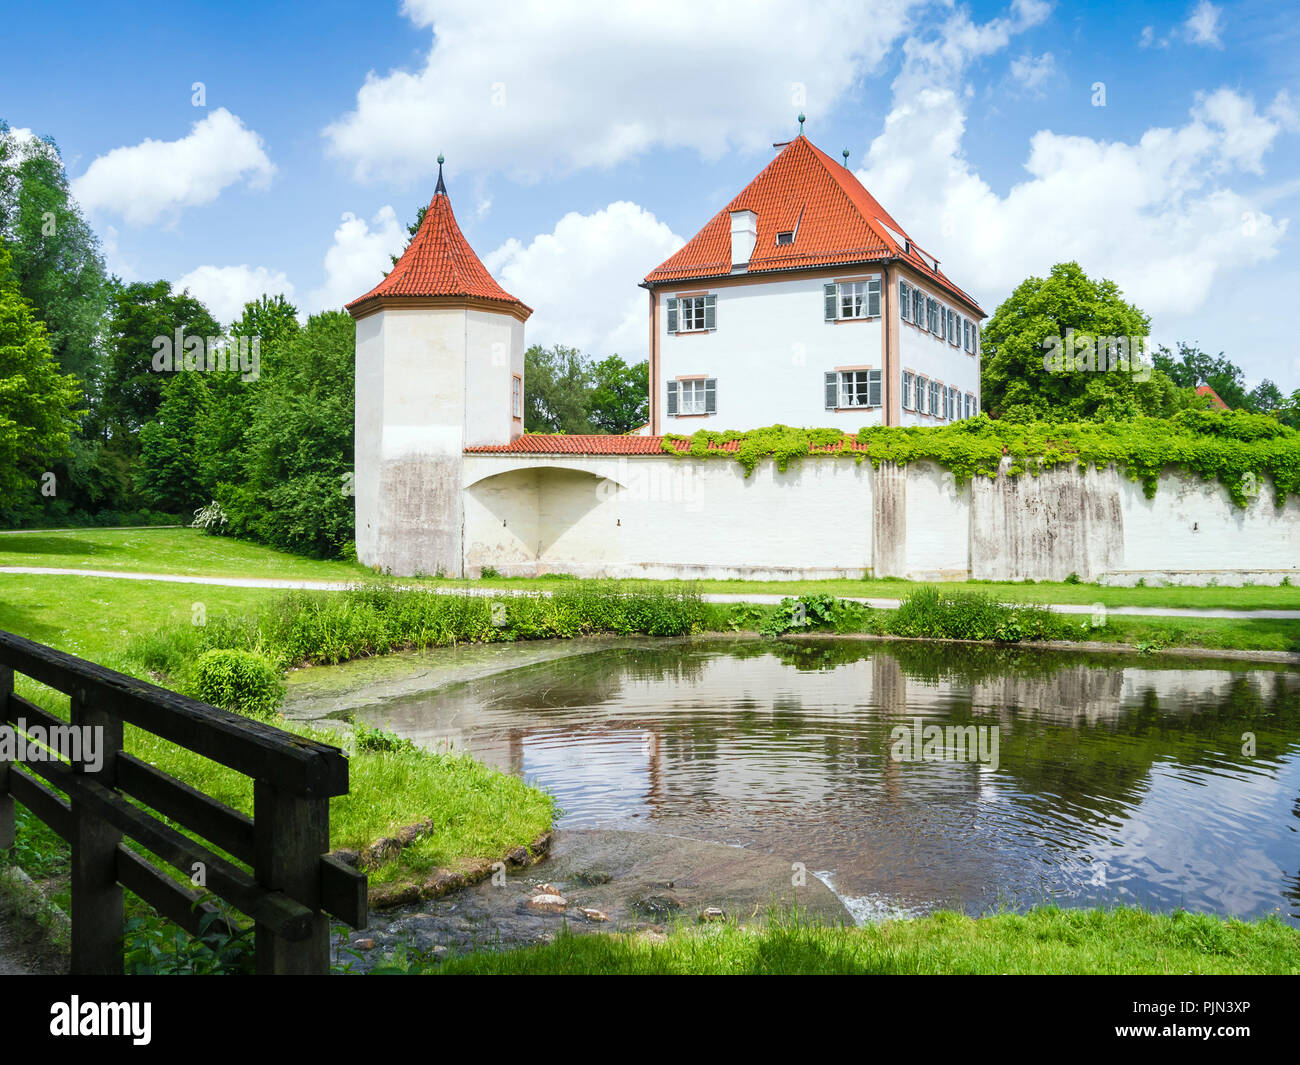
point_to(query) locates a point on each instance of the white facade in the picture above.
(749, 352)
(430, 381)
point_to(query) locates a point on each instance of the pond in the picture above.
(1052, 778)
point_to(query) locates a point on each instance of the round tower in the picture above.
(439, 367)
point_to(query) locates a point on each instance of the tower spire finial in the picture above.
(845, 153)
(801, 122)
(441, 187)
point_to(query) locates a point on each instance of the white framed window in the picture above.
(932, 314)
(970, 405)
(923, 395)
(852, 299)
(786, 237)
(909, 390)
(954, 329)
(692, 314)
(698, 395)
(918, 309)
(936, 399)
(905, 301)
(968, 327)
(853, 388)
(953, 412)
(516, 396)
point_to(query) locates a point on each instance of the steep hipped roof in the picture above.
(438, 262)
(835, 222)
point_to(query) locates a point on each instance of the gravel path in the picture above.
(709, 597)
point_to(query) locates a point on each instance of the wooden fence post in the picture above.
(7, 834)
(97, 924)
(291, 836)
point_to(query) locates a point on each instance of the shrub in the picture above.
(240, 681)
(959, 615)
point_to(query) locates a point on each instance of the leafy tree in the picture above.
(1192, 367)
(620, 399)
(168, 473)
(139, 314)
(38, 404)
(294, 494)
(557, 382)
(1029, 371)
(1265, 398)
(232, 395)
(56, 257)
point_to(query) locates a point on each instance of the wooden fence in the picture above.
(293, 882)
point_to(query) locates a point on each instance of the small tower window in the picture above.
(517, 396)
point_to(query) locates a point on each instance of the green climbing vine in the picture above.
(1239, 449)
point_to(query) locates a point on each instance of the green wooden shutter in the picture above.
(829, 290)
(711, 396)
(873, 298)
(873, 383)
(672, 314)
(672, 397)
(710, 312)
(904, 301)
(832, 390)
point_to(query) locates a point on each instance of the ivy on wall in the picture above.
(1237, 448)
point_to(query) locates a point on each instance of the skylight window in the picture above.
(785, 238)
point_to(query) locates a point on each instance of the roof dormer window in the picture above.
(786, 237)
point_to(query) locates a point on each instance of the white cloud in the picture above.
(1148, 37)
(1032, 71)
(153, 179)
(1159, 216)
(1202, 25)
(225, 289)
(558, 87)
(581, 278)
(358, 259)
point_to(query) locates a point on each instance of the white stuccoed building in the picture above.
(803, 302)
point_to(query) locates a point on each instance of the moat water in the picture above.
(1086, 781)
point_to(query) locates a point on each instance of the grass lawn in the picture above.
(193, 553)
(1043, 941)
(480, 812)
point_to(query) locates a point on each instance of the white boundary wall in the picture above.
(651, 516)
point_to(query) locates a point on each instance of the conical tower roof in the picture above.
(440, 266)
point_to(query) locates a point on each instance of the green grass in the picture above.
(1043, 941)
(481, 812)
(188, 552)
(194, 553)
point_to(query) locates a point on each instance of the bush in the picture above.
(929, 612)
(243, 682)
(815, 611)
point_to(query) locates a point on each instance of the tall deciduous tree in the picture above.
(557, 383)
(1070, 315)
(38, 404)
(619, 401)
(56, 258)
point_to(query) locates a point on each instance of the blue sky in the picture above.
(585, 144)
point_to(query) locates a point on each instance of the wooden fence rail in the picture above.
(274, 867)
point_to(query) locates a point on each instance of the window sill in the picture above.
(846, 321)
(692, 332)
(690, 415)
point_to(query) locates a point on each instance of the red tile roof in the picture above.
(537, 444)
(1215, 401)
(839, 223)
(439, 262)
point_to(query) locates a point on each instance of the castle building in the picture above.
(803, 302)
(439, 367)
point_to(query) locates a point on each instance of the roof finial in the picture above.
(801, 122)
(441, 187)
(845, 153)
